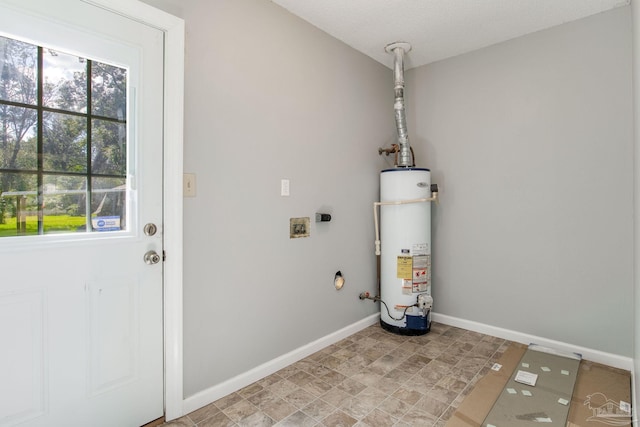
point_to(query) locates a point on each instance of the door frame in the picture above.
(173, 28)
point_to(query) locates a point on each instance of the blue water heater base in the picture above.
(416, 325)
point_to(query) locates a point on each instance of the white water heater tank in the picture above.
(405, 250)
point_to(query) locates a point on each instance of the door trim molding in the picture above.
(173, 28)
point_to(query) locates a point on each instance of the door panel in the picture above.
(81, 312)
(113, 327)
(22, 324)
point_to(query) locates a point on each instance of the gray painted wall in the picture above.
(531, 142)
(269, 97)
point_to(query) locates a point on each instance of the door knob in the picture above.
(151, 257)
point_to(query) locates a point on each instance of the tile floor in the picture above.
(372, 378)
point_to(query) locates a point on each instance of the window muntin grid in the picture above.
(63, 144)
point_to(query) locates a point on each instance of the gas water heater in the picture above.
(405, 250)
(403, 234)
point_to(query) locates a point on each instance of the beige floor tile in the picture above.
(317, 387)
(180, 422)
(442, 394)
(351, 386)
(395, 407)
(299, 398)
(218, 420)
(378, 418)
(409, 396)
(204, 413)
(263, 398)
(279, 409)
(372, 378)
(250, 390)
(367, 378)
(282, 388)
(288, 371)
(257, 419)
(228, 400)
(419, 418)
(297, 419)
(305, 364)
(333, 378)
(387, 385)
(432, 406)
(300, 378)
(335, 397)
(338, 419)
(319, 370)
(240, 410)
(401, 374)
(270, 380)
(372, 395)
(356, 408)
(318, 409)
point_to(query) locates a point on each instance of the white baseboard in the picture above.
(598, 356)
(218, 391)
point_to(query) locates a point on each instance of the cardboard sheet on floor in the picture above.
(475, 407)
(600, 394)
(538, 391)
(602, 397)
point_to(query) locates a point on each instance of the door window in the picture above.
(63, 142)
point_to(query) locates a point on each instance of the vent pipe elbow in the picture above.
(398, 49)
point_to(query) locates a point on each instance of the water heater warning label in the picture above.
(407, 287)
(421, 273)
(405, 267)
(420, 249)
(420, 280)
(421, 261)
(415, 272)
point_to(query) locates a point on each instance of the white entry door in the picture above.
(81, 110)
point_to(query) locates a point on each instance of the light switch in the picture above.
(189, 185)
(284, 187)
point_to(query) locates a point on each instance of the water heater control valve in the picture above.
(425, 303)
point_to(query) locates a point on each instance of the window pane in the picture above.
(108, 150)
(108, 91)
(65, 202)
(18, 75)
(18, 204)
(65, 143)
(18, 144)
(62, 150)
(65, 81)
(108, 204)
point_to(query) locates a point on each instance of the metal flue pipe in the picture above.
(398, 49)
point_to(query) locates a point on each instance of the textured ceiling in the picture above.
(437, 29)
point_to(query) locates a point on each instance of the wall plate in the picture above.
(299, 227)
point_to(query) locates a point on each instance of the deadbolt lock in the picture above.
(150, 229)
